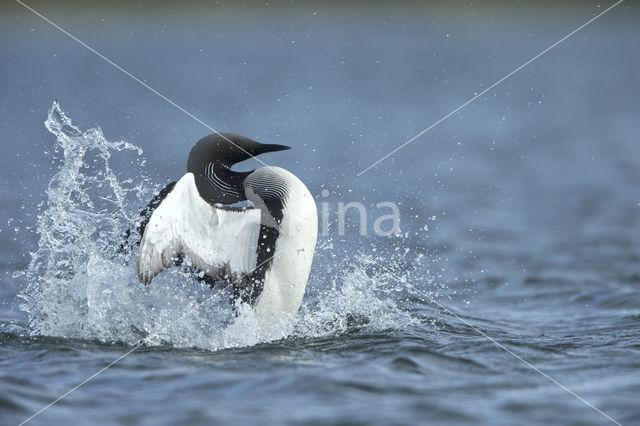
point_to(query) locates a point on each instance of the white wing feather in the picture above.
(211, 238)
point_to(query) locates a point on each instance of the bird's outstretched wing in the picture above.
(218, 241)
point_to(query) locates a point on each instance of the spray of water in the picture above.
(80, 285)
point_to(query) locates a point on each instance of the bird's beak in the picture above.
(262, 148)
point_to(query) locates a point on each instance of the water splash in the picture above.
(81, 286)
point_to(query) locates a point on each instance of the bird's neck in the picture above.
(217, 183)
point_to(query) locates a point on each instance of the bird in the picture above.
(264, 248)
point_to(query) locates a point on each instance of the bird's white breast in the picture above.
(212, 238)
(286, 279)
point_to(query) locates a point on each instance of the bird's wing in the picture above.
(216, 240)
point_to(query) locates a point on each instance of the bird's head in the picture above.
(226, 149)
(211, 159)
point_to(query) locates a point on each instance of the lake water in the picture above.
(519, 215)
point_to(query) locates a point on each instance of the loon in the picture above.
(265, 250)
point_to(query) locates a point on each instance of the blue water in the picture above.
(519, 215)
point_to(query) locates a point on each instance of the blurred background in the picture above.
(528, 197)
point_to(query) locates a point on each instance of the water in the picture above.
(519, 216)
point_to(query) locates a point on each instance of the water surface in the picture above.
(520, 214)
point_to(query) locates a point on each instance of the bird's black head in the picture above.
(211, 159)
(227, 149)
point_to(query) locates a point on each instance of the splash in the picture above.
(80, 285)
